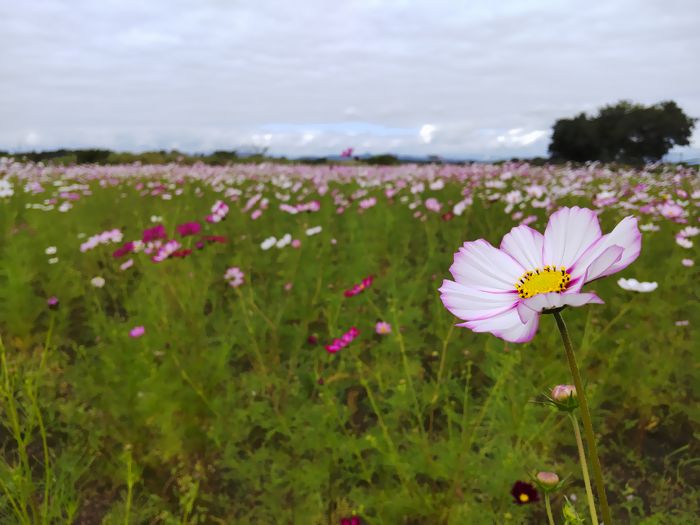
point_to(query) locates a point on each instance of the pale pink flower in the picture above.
(382, 328)
(504, 291)
(234, 276)
(126, 265)
(687, 262)
(137, 331)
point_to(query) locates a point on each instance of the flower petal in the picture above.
(479, 265)
(525, 245)
(470, 304)
(570, 232)
(507, 326)
(549, 301)
(625, 235)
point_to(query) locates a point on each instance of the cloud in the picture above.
(213, 73)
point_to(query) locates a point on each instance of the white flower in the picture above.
(683, 242)
(313, 231)
(97, 282)
(6, 188)
(156, 218)
(51, 250)
(689, 231)
(649, 227)
(633, 285)
(268, 243)
(284, 241)
(53, 260)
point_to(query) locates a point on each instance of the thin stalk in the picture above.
(129, 488)
(586, 417)
(584, 469)
(550, 518)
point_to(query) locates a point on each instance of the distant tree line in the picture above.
(624, 132)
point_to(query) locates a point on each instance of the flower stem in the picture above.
(584, 469)
(550, 518)
(586, 417)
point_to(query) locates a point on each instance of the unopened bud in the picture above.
(563, 393)
(548, 479)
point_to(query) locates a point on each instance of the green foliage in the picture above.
(217, 414)
(624, 132)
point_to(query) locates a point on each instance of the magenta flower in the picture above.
(359, 288)
(52, 302)
(188, 228)
(354, 520)
(346, 153)
(340, 343)
(504, 291)
(153, 234)
(137, 331)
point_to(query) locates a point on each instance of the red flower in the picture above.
(524, 493)
(354, 520)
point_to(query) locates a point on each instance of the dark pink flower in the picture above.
(126, 248)
(359, 288)
(354, 520)
(52, 302)
(344, 340)
(155, 233)
(188, 228)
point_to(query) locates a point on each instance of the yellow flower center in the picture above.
(524, 498)
(542, 280)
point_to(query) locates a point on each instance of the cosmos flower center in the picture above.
(542, 280)
(524, 498)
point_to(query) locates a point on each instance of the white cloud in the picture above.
(208, 74)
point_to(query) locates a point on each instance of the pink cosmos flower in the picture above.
(137, 331)
(188, 228)
(234, 276)
(504, 291)
(383, 328)
(359, 288)
(340, 343)
(155, 233)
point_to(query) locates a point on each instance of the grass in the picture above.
(225, 412)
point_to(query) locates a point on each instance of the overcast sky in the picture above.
(479, 79)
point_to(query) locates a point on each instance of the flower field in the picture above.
(266, 344)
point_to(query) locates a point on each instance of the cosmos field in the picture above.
(265, 344)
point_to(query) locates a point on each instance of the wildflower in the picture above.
(504, 291)
(633, 285)
(218, 212)
(6, 188)
(53, 260)
(52, 302)
(296, 243)
(353, 520)
(684, 242)
(432, 204)
(137, 331)
(563, 393)
(284, 241)
(155, 233)
(156, 218)
(256, 214)
(383, 328)
(340, 343)
(368, 203)
(359, 288)
(689, 231)
(268, 243)
(547, 480)
(313, 231)
(51, 250)
(687, 262)
(165, 251)
(234, 276)
(524, 493)
(312, 339)
(126, 265)
(347, 153)
(97, 282)
(188, 228)
(127, 247)
(684, 322)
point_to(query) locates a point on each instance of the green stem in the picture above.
(586, 417)
(549, 508)
(584, 469)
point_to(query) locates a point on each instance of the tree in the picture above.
(624, 132)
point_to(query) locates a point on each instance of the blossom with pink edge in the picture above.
(504, 290)
(234, 276)
(383, 328)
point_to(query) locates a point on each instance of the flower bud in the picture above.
(563, 393)
(548, 479)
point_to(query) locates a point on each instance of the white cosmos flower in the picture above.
(504, 290)
(97, 282)
(313, 231)
(268, 243)
(51, 250)
(633, 285)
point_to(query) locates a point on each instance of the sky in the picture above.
(459, 79)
